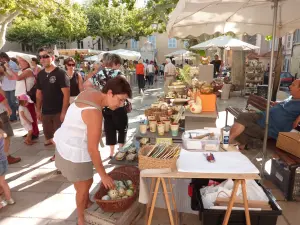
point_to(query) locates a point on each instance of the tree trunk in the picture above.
(5, 19)
(277, 70)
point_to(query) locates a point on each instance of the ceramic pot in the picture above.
(152, 124)
(161, 129)
(143, 128)
(174, 129)
(167, 125)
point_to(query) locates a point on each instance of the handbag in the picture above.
(128, 106)
(32, 92)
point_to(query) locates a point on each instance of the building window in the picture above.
(152, 39)
(134, 44)
(276, 45)
(186, 44)
(286, 65)
(172, 43)
(288, 41)
(297, 36)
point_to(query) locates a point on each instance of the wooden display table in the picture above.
(95, 215)
(165, 180)
(200, 120)
(153, 136)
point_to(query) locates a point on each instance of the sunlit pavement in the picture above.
(45, 197)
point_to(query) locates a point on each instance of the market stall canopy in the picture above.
(71, 52)
(195, 17)
(127, 54)
(14, 54)
(94, 57)
(181, 52)
(225, 42)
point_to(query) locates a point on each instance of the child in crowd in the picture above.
(3, 170)
(25, 117)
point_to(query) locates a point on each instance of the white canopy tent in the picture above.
(181, 52)
(276, 18)
(92, 58)
(225, 42)
(127, 54)
(196, 17)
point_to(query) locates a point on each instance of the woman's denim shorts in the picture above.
(3, 167)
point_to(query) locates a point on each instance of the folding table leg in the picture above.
(231, 202)
(150, 199)
(174, 202)
(167, 200)
(247, 214)
(154, 200)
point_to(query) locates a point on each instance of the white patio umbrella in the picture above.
(127, 54)
(92, 58)
(14, 54)
(276, 18)
(225, 42)
(184, 54)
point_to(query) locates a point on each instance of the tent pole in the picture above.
(270, 87)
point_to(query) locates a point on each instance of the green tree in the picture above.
(117, 24)
(64, 18)
(61, 26)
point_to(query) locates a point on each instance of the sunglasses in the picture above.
(44, 56)
(71, 64)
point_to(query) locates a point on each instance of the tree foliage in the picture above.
(63, 25)
(117, 24)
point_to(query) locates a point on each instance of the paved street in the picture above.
(44, 197)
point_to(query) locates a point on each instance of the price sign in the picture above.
(164, 141)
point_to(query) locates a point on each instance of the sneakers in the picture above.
(4, 203)
(13, 160)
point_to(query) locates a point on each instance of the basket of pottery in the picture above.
(120, 198)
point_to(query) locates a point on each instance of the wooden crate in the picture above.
(95, 215)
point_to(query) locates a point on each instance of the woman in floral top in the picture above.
(114, 121)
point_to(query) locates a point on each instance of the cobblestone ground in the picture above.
(44, 197)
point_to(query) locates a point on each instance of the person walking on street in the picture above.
(25, 81)
(170, 73)
(52, 95)
(150, 73)
(5, 112)
(76, 81)
(9, 84)
(139, 70)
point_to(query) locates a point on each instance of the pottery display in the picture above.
(196, 106)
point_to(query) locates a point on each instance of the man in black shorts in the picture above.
(52, 96)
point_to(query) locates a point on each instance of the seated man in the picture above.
(284, 116)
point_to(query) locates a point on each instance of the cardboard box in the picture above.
(289, 142)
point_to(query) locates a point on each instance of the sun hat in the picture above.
(26, 58)
(25, 97)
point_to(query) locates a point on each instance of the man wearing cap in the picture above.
(52, 96)
(9, 84)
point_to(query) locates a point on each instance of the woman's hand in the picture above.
(108, 182)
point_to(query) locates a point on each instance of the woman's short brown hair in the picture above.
(69, 59)
(118, 86)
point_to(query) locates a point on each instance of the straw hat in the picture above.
(26, 58)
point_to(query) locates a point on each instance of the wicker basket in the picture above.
(133, 171)
(146, 162)
(156, 112)
(118, 205)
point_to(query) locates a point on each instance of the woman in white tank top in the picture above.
(77, 139)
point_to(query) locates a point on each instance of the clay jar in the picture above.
(167, 125)
(161, 128)
(143, 128)
(174, 129)
(152, 124)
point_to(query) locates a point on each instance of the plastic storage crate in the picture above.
(216, 217)
(286, 178)
(200, 144)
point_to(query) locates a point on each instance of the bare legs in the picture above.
(6, 190)
(112, 149)
(235, 131)
(82, 198)
(28, 139)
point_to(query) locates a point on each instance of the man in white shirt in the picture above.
(9, 85)
(170, 73)
(150, 73)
